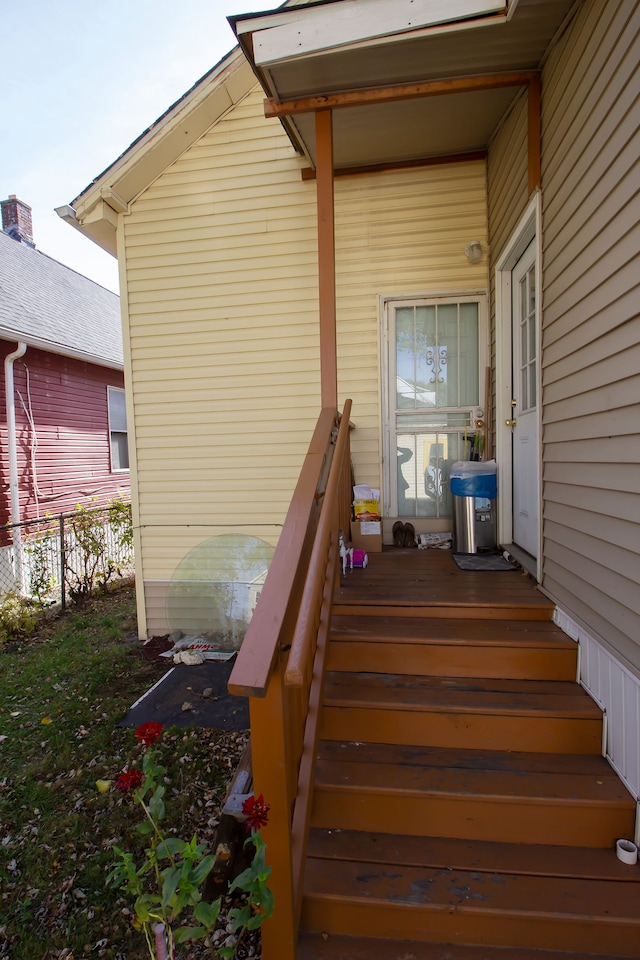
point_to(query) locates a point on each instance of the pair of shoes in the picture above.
(404, 534)
(409, 535)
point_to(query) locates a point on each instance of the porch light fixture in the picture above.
(473, 252)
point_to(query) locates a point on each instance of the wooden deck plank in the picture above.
(503, 785)
(423, 577)
(511, 609)
(379, 629)
(463, 907)
(506, 892)
(588, 863)
(436, 660)
(547, 692)
(569, 800)
(324, 946)
(474, 817)
(481, 730)
(591, 765)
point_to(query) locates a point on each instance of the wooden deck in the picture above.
(422, 579)
(462, 809)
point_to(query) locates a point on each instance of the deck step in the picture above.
(383, 897)
(551, 799)
(324, 946)
(481, 856)
(461, 809)
(556, 717)
(452, 647)
(447, 609)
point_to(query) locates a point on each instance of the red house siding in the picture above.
(62, 430)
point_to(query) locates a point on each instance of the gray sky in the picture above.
(80, 81)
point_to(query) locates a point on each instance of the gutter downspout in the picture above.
(13, 456)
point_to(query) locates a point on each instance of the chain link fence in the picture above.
(57, 559)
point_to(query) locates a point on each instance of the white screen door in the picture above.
(434, 362)
(525, 403)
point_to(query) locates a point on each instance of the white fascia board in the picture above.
(50, 346)
(319, 29)
(250, 24)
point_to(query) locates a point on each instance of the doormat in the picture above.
(192, 696)
(479, 561)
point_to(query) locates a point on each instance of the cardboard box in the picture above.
(367, 535)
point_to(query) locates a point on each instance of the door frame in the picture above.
(529, 228)
(386, 302)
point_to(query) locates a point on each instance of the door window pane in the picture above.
(468, 360)
(437, 369)
(528, 342)
(424, 462)
(405, 357)
(437, 356)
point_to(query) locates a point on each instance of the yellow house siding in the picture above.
(591, 327)
(222, 301)
(398, 234)
(224, 342)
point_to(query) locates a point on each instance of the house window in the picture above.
(118, 429)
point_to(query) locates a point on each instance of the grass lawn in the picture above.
(62, 693)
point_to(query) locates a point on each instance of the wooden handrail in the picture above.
(301, 654)
(291, 624)
(250, 675)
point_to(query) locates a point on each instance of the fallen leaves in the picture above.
(60, 815)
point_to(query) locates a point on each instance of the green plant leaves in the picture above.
(180, 881)
(182, 934)
(171, 878)
(203, 869)
(207, 913)
(170, 847)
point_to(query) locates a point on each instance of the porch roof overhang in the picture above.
(434, 75)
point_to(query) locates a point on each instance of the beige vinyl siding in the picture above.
(507, 175)
(224, 344)
(591, 327)
(398, 233)
(222, 299)
(507, 186)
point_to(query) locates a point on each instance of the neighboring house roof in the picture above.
(50, 306)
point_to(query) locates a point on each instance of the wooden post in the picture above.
(63, 566)
(533, 133)
(326, 259)
(269, 741)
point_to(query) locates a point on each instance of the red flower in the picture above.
(129, 780)
(256, 812)
(149, 732)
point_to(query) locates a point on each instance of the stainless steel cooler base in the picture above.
(474, 525)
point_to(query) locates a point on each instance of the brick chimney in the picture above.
(16, 220)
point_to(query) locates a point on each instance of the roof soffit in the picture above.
(486, 39)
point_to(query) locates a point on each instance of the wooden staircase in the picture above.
(462, 809)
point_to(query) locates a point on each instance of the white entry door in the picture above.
(524, 422)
